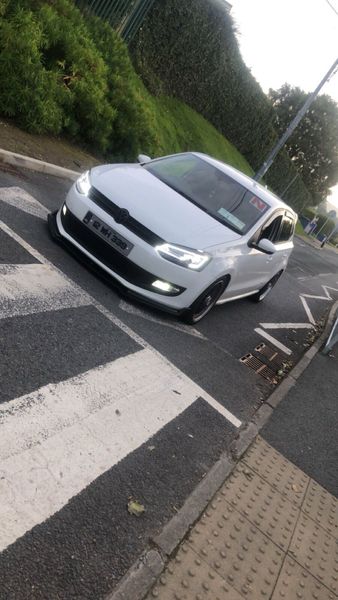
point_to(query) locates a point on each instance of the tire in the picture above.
(266, 289)
(205, 302)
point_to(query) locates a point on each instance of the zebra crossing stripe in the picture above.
(28, 289)
(19, 198)
(57, 440)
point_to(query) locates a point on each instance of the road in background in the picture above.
(112, 401)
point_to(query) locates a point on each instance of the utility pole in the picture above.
(269, 160)
(288, 185)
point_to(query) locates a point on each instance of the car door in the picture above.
(253, 266)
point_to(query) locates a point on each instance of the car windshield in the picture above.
(210, 189)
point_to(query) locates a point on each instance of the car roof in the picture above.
(244, 180)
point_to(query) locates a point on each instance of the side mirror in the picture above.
(143, 158)
(266, 246)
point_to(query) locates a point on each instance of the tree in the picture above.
(313, 147)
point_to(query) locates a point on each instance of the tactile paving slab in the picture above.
(317, 551)
(295, 583)
(237, 550)
(322, 507)
(188, 577)
(277, 470)
(263, 505)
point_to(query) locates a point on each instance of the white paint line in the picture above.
(57, 440)
(303, 299)
(15, 196)
(327, 296)
(307, 310)
(273, 341)
(25, 245)
(317, 297)
(118, 323)
(134, 310)
(286, 325)
(175, 371)
(29, 289)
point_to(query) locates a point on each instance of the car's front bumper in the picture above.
(94, 265)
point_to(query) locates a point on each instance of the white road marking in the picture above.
(17, 197)
(134, 310)
(57, 440)
(29, 289)
(326, 296)
(118, 323)
(273, 341)
(286, 325)
(311, 320)
(35, 253)
(326, 289)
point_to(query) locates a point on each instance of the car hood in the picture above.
(157, 206)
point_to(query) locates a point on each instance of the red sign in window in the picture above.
(258, 203)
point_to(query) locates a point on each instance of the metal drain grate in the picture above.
(258, 366)
(269, 353)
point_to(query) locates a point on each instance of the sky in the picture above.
(293, 41)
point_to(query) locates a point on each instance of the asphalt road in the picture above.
(103, 400)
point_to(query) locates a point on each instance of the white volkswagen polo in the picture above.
(182, 233)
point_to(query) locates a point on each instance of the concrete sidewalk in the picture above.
(270, 532)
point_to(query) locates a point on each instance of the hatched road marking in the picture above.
(309, 325)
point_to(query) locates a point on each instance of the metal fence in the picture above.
(126, 16)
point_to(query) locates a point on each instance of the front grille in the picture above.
(121, 265)
(132, 224)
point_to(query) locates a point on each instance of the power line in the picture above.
(331, 6)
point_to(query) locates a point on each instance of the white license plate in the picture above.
(108, 234)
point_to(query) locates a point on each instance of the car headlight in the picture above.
(192, 259)
(83, 184)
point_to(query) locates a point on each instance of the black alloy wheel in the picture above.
(200, 308)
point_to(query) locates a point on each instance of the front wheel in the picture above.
(205, 302)
(266, 289)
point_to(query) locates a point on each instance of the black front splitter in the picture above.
(90, 264)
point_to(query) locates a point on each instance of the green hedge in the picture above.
(62, 73)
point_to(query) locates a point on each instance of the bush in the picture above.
(52, 78)
(132, 127)
(27, 91)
